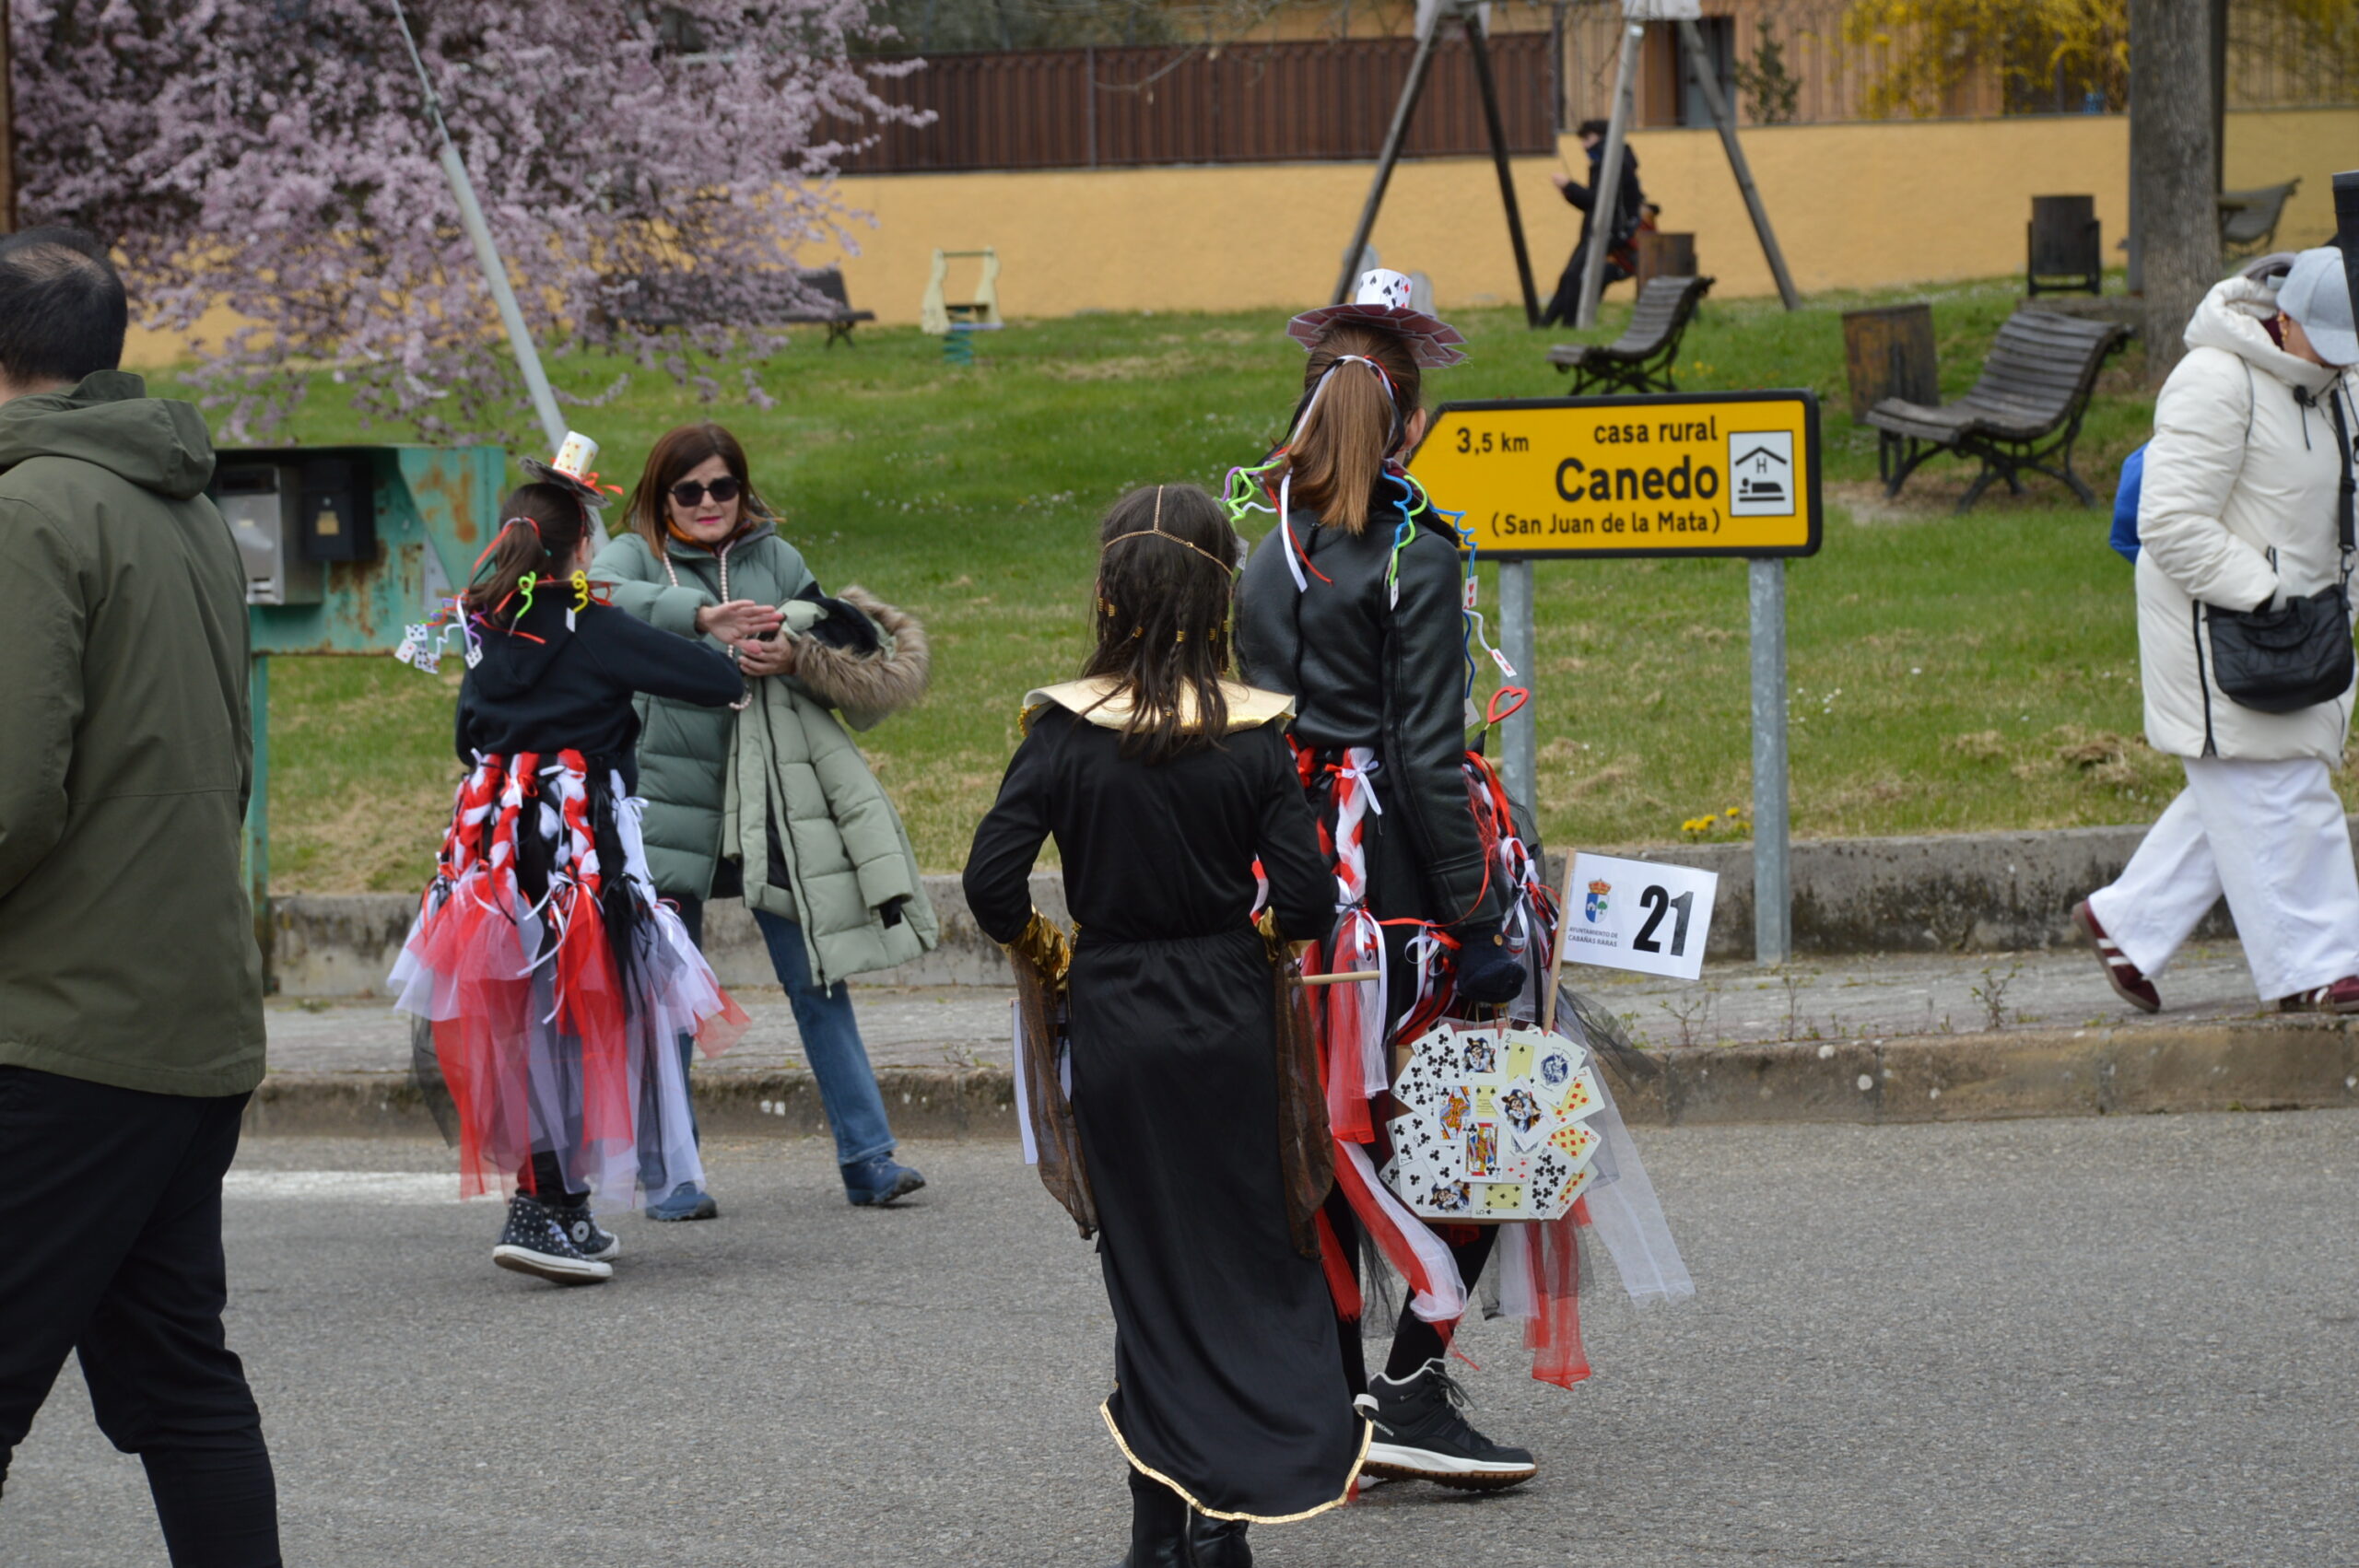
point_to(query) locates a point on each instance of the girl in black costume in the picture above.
(1354, 606)
(1164, 784)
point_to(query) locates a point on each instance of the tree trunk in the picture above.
(2173, 164)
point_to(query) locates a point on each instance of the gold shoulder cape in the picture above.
(1099, 699)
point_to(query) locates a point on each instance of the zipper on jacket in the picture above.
(2202, 679)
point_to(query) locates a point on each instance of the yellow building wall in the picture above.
(1860, 206)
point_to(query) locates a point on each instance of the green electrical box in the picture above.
(343, 547)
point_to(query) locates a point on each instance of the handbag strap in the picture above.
(2346, 500)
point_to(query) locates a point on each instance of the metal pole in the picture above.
(1481, 51)
(1772, 889)
(257, 834)
(495, 271)
(1607, 193)
(1393, 136)
(1725, 119)
(1521, 757)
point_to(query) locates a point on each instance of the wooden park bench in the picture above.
(2249, 219)
(834, 307)
(2024, 414)
(1640, 360)
(676, 297)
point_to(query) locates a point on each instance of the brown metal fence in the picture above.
(1234, 104)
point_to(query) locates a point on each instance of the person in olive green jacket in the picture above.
(131, 1028)
(702, 556)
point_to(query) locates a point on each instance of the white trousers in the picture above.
(2271, 837)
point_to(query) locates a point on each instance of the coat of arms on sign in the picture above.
(1594, 909)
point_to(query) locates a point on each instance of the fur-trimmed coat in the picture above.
(818, 837)
(862, 653)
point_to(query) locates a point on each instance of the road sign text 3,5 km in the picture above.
(1712, 473)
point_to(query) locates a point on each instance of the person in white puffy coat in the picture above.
(2238, 509)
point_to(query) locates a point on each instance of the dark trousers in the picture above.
(111, 1248)
(1566, 303)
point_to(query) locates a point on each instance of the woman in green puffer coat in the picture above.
(771, 801)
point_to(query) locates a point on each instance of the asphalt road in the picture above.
(2063, 1343)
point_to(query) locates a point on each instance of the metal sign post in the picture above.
(495, 271)
(1722, 475)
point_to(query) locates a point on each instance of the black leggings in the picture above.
(1414, 1340)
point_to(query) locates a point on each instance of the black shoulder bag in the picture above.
(2297, 654)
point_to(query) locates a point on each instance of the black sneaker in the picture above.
(536, 1242)
(1420, 1436)
(593, 1240)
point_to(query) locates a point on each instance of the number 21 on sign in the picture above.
(1636, 915)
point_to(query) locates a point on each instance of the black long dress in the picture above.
(1227, 1376)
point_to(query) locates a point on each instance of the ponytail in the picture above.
(1351, 422)
(541, 531)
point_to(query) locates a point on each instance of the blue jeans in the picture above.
(830, 1038)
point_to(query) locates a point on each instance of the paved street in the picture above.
(1853, 997)
(2119, 1341)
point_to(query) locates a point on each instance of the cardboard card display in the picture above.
(1492, 1124)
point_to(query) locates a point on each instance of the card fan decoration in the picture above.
(1494, 1124)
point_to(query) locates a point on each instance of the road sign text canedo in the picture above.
(1723, 474)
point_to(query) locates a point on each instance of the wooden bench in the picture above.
(2024, 414)
(2249, 219)
(677, 297)
(1640, 360)
(834, 306)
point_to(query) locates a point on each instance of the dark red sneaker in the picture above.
(2340, 996)
(2128, 983)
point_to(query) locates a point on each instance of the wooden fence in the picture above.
(1232, 103)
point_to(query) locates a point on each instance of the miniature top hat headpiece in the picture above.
(570, 469)
(1382, 298)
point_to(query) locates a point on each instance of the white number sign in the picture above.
(1636, 915)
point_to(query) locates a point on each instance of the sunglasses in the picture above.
(692, 492)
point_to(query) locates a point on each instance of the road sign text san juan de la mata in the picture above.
(1714, 473)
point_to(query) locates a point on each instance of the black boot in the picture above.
(1159, 1527)
(1220, 1543)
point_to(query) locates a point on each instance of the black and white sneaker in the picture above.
(593, 1240)
(536, 1241)
(1420, 1436)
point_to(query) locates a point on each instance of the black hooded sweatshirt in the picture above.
(544, 688)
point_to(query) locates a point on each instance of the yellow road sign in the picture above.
(1677, 474)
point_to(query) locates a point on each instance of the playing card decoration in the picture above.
(1493, 1124)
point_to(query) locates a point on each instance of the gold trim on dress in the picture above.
(1367, 1435)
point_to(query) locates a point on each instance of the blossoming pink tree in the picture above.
(649, 171)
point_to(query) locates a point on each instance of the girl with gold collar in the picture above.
(1167, 786)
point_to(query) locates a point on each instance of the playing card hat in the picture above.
(2317, 293)
(1382, 298)
(570, 469)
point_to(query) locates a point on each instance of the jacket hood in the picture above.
(157, 443)
(2230, 318)
(514, 662)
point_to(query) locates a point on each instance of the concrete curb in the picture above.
(1968, 891)
(2261, 1065)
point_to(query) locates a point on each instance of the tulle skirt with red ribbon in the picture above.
(552, 988)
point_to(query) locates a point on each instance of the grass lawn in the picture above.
(1948, 674)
